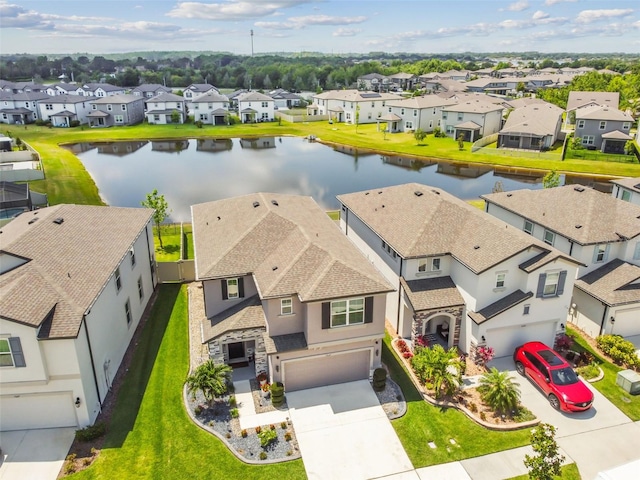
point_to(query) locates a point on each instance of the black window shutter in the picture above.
(225, 295)
(368, 310)
(561, 278)
(541, 279)
(241, 287)
(326, 315)
(16, 351)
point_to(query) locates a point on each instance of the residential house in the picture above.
(21, 87)
(442, 85)
(497, 86)
(457, 75)
(148, 90)
(233, 98)
(342, 105)
(20, 108)
(409, 114)
(64, 89)
(196, 89)
(62, 110)
(125, 109)
(463, 278)
(599, 231)
(402, 81)
(256, 107)
(101, 90)
(162, 108)
(578, 99)
(374, 82)
(284, 290)
(74, 283)
(531, 127)
(212, 108)
(603, 128)
(17, 198)
(627, 189)
(473, 119)
(284, 99)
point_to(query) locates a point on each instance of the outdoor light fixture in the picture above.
(484, 339)
(277, 368)
(77, 402)
(377, 352)
(562, 325)
(613, 320)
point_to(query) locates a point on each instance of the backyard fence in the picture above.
(301, 118)
(484, 141)
(182, 270)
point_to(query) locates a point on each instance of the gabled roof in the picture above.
(423, 101)
(151, 87)
(432, 293)
(628, 183)
(107, 87)
(420, 221)
(616, 135)
(579, 213)
(66, 99)
(597, 112)
(166, 97)
(122, 98)
(286, 242)
(71, 251)
(201, 87)
(615, 283)
(579, 99)
(474, 106)
(535, 119)
(30, 96)
(356, 95)
(210, 97)
(500, 306)
(243, 315)
(254, 97)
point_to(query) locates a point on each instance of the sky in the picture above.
(327, 26)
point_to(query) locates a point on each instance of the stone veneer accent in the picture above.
(420, 318)
(216, 352)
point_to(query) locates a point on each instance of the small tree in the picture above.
(438, 368)
(546, 462)
(551, 180)
(383, 128)
(461, 141)
(499, 391)
(160, 209)
(211, 379)
(175, 116)
(357, 117)
(576, 143)
(420, 135)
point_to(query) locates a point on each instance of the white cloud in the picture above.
(553, 2)
(588, 16)
(539, 15)
(518, 6)
(296, 23)
(231, 10)
(346, 32)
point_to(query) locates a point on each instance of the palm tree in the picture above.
(211, 379)
(438, 368)
(499, 391)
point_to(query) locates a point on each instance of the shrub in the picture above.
(198, 409)
(621, 351)
(272, 426)
(258, 429)
(243, 433)
(483, 416)
(232, 401)
(228, 435)
(74, 123)
(287, 436)
(94, 451)
(289, 453)
(86, 461)
(564, 342)
(91, 432)
(234, 413)
(198, 123)
(69, 468)
(283, 425)
(262, 377)
(402, 346)
(407, 354)
(473, 407)
(485, 354)
(71, 457)
(499, 391)
(379, 379)
(277, 394)
(589, 371)
(263, 456)
(267, 437)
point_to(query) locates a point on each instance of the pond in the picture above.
(187, 172)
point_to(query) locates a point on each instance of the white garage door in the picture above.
(37, 411)
(505, 340)
(627, 322)
(324, 370)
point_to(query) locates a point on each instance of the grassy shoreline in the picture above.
(67, 181)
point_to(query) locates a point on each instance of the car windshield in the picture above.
(564, 376)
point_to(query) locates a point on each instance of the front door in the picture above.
(236, 351)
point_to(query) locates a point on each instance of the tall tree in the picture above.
(160, 209)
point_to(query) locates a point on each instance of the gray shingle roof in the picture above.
(579, 99)
(68, 263)
(432, 293)
(473, 106)
(284, 343)
(500, 306)
(597, 112)
(579, 213)
(614, 283)
(616, 135)
(117, 99)
(535, 119)
(418, 221)
(243, 315)
(632, 183)
(287, 242)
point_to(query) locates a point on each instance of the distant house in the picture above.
(116, 110)
(627, 189)
(342, 105)
(101, 90)
(402, 81)
(410, 114)
(603, 128)
(61, 110)
(284, 99)
(472, 119)
(20, 108)
(579, 99)
(64, 89)
(285, 291)
(148, 90)
(74, 283)
(531, 127)
(197, 89)
(211, 108)
(374, 82)
(162, 108)
(256, 107)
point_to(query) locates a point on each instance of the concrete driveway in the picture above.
(603, 414)
(34, 454)
(343, 433)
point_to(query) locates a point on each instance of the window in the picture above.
(388, 249)
(626, 195)
(109, 107)
(528, 227)
(444, 115)
(232, 288)
(132, 253)
(373, 104)
(11, 352)
(435, 264)
(127, 311)
(514, 138)
(415, 113)
(409, 125)
(600, 253)
(588, 140)
(347, 312)
(94, 107)
(636, 252)
(549, 237)
(580, 124)
(48, 106)
(265, 116)
(140, 288)
(551, 284)
(402, 111)
(460, 116)
(500, 278)
(286, 306)
(203, 116)
(603, 125)
(124, 107)
(525, 310)
(422, 266)
(156, 118)
(118, 118)
(118, 280)
(626, 125)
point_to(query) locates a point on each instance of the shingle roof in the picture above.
(287, 242)
(212, 96)
(243, 315)
(68, 263)
(432, 293)
(254, 97)
(284, 343)
(418, 221)
(423, 101)
(597, 112)
(473, 106)
(502, 305)
(356, 95)
(629, 183)
(120, 98)
(614, 283)
(166, 97)
(579, 99)
(579, 213)
(535, 119)
(616, 135)
(66, 99)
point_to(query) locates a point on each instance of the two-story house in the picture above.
(531, 127)
(409, 114)
(627, 189)
(374, 82)
(599, 231)
(20, 108)
(61, 110)
(578, 99)
(116, 110)
(74, 283)
(473, 119)
(196, 89)
(165, 108)
(342, 105)
(463, 277)
(284, 290)
(149, 90)
(212, 108)
(101, 90)
(256, 107)
(603, 128)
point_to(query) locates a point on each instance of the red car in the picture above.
(554, 376)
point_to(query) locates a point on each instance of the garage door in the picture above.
(505, 340)
(324, 370)
(37, 411)
(627, 322)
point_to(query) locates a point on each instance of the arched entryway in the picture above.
(439, 328)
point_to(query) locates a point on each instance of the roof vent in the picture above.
(33, 220)
(218, 219)
(58, 221)
(256, 204)
(579, 189)
(418, 193)
(436, 192)
(274, 202)
(366, 193)
(274, 268)
(578, 226)
(509, 194)
(379, 192)
(476, 247)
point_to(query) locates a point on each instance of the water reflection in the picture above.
(188, 174)
(119, 149)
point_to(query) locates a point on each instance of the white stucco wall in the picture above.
(213, 302)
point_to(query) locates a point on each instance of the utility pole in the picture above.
(252, 42)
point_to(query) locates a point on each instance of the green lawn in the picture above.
(150, 435)
(596, 155)
(424, 423)
(569, 472)
(628, 404)
(171, 241)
